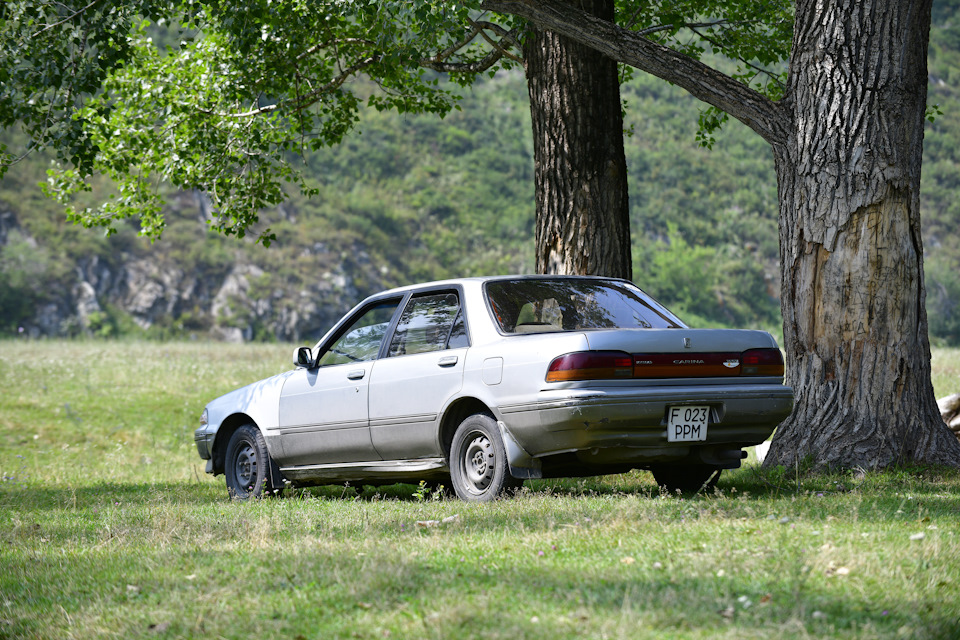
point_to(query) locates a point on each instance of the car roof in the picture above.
(483, 279)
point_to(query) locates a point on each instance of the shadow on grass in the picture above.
(749, 481)
(750, 484)
(32, 498)
(779, 482)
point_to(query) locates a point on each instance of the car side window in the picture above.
(458, 333)
(362, 339)
(430, 322)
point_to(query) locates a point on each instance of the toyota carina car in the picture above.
(483, 383)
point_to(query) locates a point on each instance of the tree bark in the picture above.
(582, 207)
(855, 325)
(847, 141)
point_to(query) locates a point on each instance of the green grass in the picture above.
(110, 529)
(946, 371)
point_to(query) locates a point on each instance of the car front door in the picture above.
(422, 370)
(324, 416)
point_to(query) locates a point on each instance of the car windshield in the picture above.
(567, 304)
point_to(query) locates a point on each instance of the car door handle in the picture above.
(447, 361)
(356, 375)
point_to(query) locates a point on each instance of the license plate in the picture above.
(687, 424)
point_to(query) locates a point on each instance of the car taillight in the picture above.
(761, 362)
(591, 365)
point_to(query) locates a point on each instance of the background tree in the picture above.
(583, 216)
(580, 180)
(847, 140)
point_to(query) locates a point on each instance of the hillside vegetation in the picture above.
(413, 198)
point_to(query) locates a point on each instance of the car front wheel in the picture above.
(247, 465)
(478, 461)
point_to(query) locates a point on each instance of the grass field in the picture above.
(110, 529)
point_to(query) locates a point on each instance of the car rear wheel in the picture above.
(686, 478)
(247, 465)
(478, 461)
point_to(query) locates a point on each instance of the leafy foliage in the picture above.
(245, 87)
(941, 176)
(753, 36)
(240, 89)
(52, 56)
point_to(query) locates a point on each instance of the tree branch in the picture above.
(333, 43)
(755, 110)
(439, 63)
(508, 36)
(714, 42)
(67, 19)
(478, 66)
(304, 101)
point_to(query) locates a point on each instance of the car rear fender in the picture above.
(455, 413)
(522, 464)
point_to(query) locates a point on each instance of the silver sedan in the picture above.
(485, 382)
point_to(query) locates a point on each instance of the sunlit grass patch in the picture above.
(946, 371)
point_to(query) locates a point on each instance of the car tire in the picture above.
(686, 478)
(478, 461)
(247, 465)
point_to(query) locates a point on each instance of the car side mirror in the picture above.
(303, 358)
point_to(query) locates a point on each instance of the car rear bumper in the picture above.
(623, 425)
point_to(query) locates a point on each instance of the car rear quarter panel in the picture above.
(512, 370)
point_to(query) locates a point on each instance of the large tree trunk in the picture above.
(855, 327)
(583, 224)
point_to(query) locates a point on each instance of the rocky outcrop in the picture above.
(151, 290)
(189, 283)
(236, 303)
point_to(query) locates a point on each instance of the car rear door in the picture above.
(422, 370)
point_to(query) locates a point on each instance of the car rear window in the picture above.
(546, 305)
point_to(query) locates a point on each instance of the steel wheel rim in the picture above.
(245, 466)
(479, 464)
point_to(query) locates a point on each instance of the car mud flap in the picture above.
(277, 480)
(522, 465)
